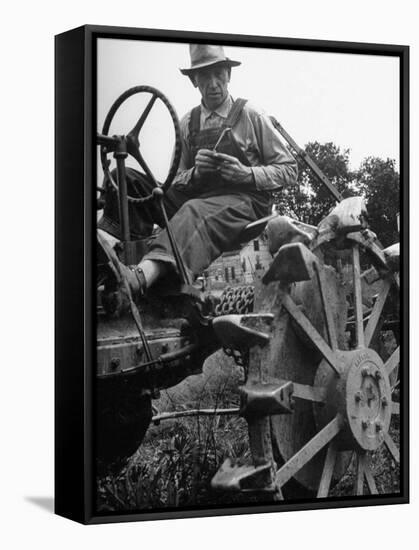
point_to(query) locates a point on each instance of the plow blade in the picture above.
(243, 478)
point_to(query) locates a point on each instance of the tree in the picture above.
(379, 182)
(309, 200)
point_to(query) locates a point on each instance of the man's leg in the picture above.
(142, 217)
(203, 228)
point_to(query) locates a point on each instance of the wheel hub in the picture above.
(367, 398)
(362, 395)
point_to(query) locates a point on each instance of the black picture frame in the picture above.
(75, 174)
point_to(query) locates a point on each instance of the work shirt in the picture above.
(273, 166)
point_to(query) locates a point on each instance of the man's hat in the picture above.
(203, 55)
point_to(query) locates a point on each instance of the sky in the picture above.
(351, 100)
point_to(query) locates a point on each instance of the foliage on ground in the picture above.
(177, 460)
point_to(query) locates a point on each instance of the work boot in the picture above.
(122, 283)
(131, 285)
(135, 279)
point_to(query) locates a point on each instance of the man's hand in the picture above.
(231, 169)
(206, 163)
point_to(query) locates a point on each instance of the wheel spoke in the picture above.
(136, 130)
(376, 312)
(316, 339)
(392, 361)
(310, 449)
(139, 158)
(391, 446)
(328, 314)
(359, 486)
(359, 319)
(394, 382)
(369, 477)
(327, 474)
(317, 394)
(395, 407)
(366, 240)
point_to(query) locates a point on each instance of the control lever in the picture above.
(184, 275)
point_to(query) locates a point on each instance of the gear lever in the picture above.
(184, 275)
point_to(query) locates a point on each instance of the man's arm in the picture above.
(278, 167)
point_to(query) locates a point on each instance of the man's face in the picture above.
(213, 84)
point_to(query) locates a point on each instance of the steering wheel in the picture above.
(133, 142)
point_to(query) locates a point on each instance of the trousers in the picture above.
(204, 222)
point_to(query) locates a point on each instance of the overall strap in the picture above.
(235, 112)
(195, 121)
(232, 119)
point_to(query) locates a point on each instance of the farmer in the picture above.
(224, 182)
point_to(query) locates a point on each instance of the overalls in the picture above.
(206, 219)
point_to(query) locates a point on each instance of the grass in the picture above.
(177, 460)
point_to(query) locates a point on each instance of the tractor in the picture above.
(321, 383)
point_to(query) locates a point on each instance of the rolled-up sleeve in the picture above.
(278, 167)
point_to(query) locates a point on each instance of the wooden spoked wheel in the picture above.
(344, 380)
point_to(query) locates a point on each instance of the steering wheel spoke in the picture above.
(134, 133)
(139, 158)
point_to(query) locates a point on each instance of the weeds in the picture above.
(175, 467)
(177, 460)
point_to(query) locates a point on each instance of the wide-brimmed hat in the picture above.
(203, 55)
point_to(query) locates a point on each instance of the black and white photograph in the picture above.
(208, 285)
(247, 276)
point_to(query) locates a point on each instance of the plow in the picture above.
(317, 336)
